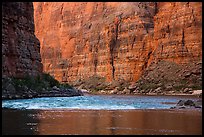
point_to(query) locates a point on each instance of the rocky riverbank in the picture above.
(98, 85)
(32, 87)
(54, 92)
(197, 93)
(161, 78)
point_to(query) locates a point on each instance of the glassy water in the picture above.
(99, 114)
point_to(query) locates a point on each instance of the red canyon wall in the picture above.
(20, 47)
(178, 31)
(115, 40)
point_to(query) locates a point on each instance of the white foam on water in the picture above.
(36, 106)
(94, 102)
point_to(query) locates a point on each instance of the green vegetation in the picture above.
(148, 86)
(39, 83)
(99, 88)
(65, 85)
(196, 87)
(177, 86)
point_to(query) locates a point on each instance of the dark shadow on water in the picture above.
(19, 122)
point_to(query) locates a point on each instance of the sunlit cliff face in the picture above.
(115, 40)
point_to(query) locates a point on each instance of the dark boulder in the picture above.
(183, 104)
(189, 103)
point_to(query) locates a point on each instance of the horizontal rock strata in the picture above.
(20, 47)
(118, 41)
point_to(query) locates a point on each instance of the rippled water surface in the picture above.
(107, 102)
(99, 114)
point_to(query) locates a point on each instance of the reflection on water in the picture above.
(109, 122)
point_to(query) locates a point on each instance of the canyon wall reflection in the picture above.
(120, 122)
(96, 122)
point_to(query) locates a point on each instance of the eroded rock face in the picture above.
(20, 47)
(82, 39)
(115, 40)
(178, 32)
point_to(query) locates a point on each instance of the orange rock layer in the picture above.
(115, 40)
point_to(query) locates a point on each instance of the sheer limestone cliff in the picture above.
(117, 40)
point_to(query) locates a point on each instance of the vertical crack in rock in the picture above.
(187, 4)
(95, 56)
(134, 39)
(61, 12)
(112, 46)
(113, 42)
(184, 47)
(117, 23)
(162, 47)
(194, 19)
(156, 8)
(182, 42)
(146, 62)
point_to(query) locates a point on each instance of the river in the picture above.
(99, 115)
